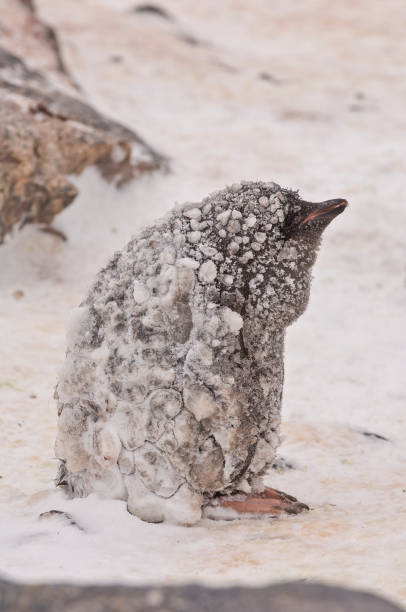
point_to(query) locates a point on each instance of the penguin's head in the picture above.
(255, 244)
(280, 270)
(262, 241)
(300, 237)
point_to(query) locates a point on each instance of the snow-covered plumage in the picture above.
(171, 390)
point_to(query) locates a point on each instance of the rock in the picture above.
(64, 517)
(18, 294)
(288, 597)
(152, 9)
(39, 41)
(47, 131)
(375, 436)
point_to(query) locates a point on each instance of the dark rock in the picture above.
(266, 76)
(47, 132)
(40, 42)
(54, 232)
(11, 62)
(18, 294)
(152, 9)
(371, 434)
(190, 40)
(289, 597)
(356, 108)
(59, 514)
(116, 59)
(40, 145)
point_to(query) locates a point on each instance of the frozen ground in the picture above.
(328, 119)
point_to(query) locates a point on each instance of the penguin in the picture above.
(170, 393)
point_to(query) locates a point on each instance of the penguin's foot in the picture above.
(270, 502)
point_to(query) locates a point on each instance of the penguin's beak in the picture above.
(324, 211)
(313, 218)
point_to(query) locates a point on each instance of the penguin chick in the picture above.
(170, 395)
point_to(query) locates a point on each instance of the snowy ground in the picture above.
(328, 119)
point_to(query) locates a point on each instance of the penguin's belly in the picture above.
(208, 440)
(215, 450)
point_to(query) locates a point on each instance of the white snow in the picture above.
(76, 323)
(187, 262)
(193, 213)
(233, 246)
(208, 271)
(200, 404)
(250, 220)
(140, 292)
(194, 237)
(223, 217)
(247, 256)
(232, 319)
(331, 124)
